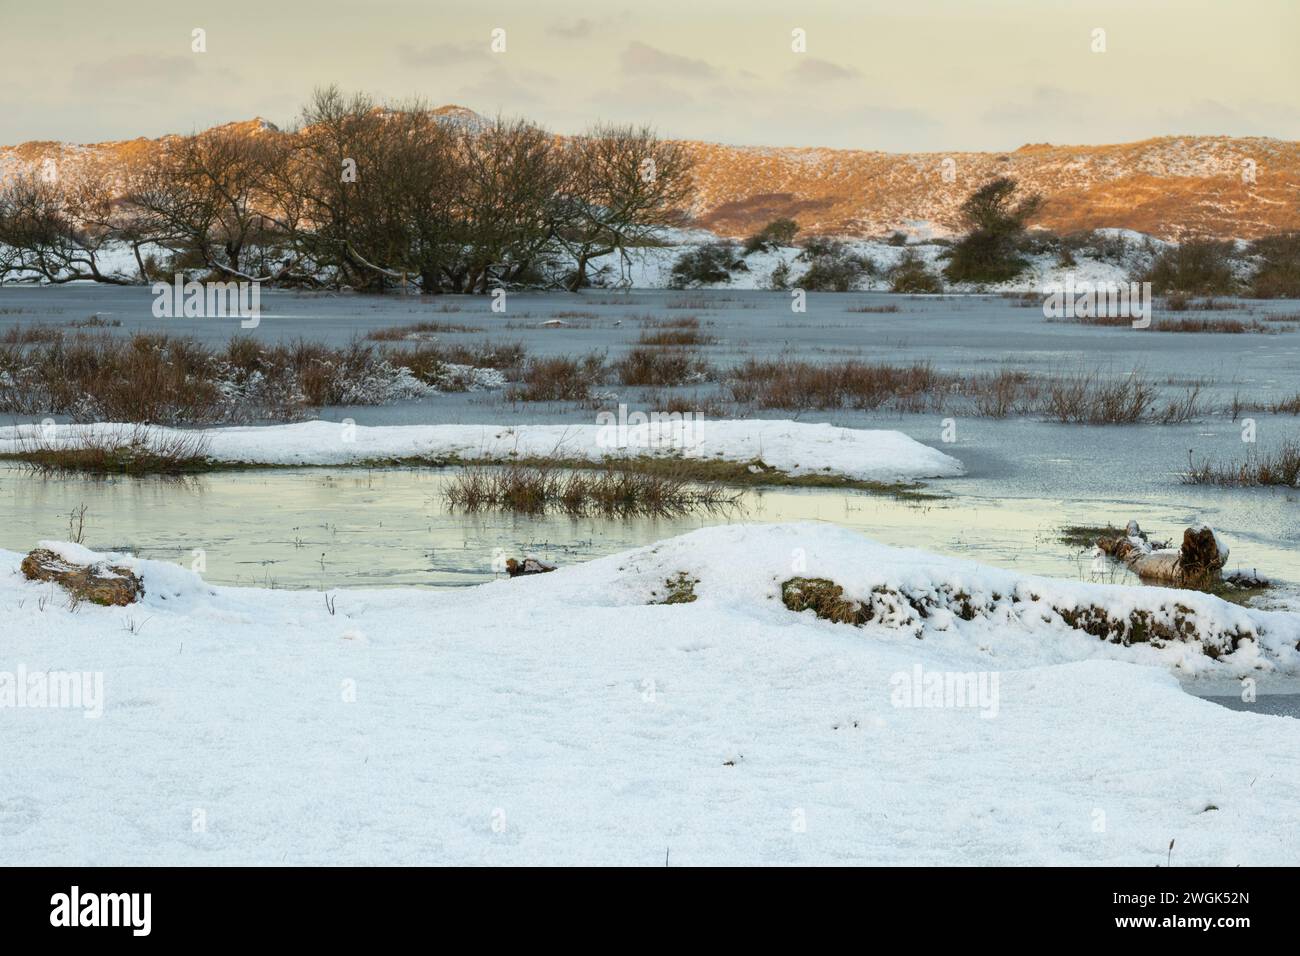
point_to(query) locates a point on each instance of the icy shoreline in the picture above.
(793, 448)
(566, 718)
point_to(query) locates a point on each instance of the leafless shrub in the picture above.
(660, 367)
(1089, 399)
(559, 379)
(1005, 392)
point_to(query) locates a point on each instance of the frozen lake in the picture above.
(1025, 477)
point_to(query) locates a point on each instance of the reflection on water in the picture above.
(322, 528)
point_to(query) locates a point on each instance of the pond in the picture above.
(338, 527)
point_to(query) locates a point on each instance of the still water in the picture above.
(326, 528)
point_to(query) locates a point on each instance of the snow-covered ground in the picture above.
(794, 448)
(651, 268)
(565, 718)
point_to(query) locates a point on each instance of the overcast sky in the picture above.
(902, 75)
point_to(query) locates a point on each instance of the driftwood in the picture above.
(97, 583)
(527, 566)
(1198, 562)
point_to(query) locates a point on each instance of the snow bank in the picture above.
(564, 718)
(795, 448)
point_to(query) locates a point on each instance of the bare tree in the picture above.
(206, 197)
(56, 229)
(625, 186)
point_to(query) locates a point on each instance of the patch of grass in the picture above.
(676, 337)
(690, 302)
(1277, 468)
(30, 335)
(170, 380)
(1222, 326)
(825, 599)
(679, 322)
(1161, 625)
(109, 451)
(418, 331)
(95, 321)
(610, 491)
(874, 309)
(1084, 397)
(851, 384)
(679, 589)
(1286, 406)
(1085, 536)
(684, 404)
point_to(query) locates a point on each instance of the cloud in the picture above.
(439, 54)
(642, 58)
(572, 29)
(502, 88)
(813, 70)
(140, 68)
(583, 27)
(1047, 105)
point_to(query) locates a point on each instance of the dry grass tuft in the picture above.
(418, 331)
(559, 379)
(1279, 468)
(611, 491)
(116, 451)
(652, 367)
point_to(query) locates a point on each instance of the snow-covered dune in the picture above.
(795, 448)
(565, 718)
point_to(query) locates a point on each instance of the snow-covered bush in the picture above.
(1195, 267)
(706, 265)
(832, 266)
(777, 233)
(911, 274)
(1278, 274)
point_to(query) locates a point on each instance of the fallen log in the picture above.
(1198, 562)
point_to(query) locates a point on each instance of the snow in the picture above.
(564, 719)
(651, 268)
(794, 448)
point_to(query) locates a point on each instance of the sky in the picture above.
(897, 75)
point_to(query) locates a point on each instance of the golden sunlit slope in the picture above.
(1169, 187)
